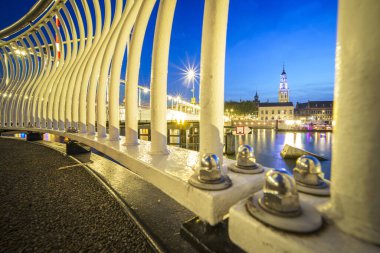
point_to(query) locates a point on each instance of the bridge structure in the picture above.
(56, 61)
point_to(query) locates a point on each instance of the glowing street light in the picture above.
(191, 76)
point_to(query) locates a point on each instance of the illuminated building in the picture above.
(315, 111)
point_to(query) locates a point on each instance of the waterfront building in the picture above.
(276, 111)
(315, 111)
(283, 92)
(283, 109)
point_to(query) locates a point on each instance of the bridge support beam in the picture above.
(355, 170)
(212, 77)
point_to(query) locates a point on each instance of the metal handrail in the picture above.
(28, 18)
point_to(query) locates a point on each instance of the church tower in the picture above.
(257, 99)
(283, 92)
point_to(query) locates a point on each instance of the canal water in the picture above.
(268, 143)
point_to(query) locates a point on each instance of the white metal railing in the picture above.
(57, 74)
(50, 88)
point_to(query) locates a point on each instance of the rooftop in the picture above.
(268, 104)
(315, 104)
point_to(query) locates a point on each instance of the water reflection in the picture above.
(268, 144)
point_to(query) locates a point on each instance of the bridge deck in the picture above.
(170, 174)
(52, 204)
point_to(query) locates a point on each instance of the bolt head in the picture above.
(245, 156)
(71, 130)
(210, 168)
(308, 171)
(280, 192)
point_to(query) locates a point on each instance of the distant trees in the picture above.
(242, 108)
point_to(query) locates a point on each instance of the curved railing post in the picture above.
(159, 76)
(355, 173)
(132, 73)
(212, 77)
(117, 62)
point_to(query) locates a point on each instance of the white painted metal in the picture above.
(95, 79)
(88, 93)
(51, 92)
(87, 66)
(63, 122)
(52, 110)
(41, 99)
(104, 70)
(79, 75)
(212, 77)
(253, 236)
(160, 58)
(132, 73)
(84, 46)
(117, 61)
(355, 191)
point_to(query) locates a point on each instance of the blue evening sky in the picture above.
(261, 36)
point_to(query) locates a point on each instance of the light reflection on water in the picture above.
(268, 144)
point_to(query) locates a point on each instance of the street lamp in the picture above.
(190, 77)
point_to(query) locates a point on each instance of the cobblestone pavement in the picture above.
(49, 203)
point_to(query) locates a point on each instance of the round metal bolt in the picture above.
(246, 161)
(71, 130)
(208, 175)
(245, 156)
(309, 176)
(308, 171)
(210, 168)
(280, 195)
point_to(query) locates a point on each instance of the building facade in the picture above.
(315, 111)
(276, 111)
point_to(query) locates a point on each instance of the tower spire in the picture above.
(283, 92)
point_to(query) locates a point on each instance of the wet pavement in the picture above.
(49, 203)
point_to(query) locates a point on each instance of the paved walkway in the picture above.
(48, 203)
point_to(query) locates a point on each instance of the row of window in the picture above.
(308, 112)
(273, 118)
(278, 111)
